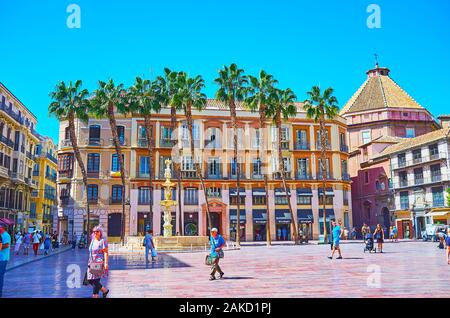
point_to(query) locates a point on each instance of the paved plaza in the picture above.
(405, 269)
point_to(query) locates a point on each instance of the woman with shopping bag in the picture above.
(98, 262)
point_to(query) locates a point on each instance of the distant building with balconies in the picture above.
(18, 140)
(420, 174)
(213, 143)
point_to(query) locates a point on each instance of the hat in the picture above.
(214, 230)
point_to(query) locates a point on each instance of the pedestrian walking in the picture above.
(217, 243)
(353, 233)
(379, 237)
(364, 231)
(98, 262)
(391, 233)
(447, 242)
(5, 242)
(26, 243)
(394, 229)
(74, 240)
(337, 232)
(19, 239)
(47, 243)
(36, 241)
(149, 246)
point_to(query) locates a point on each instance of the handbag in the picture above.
(96, 266)
(208, 260)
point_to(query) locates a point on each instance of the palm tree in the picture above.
(166, 90)
(108, 99)
(319, 107)
(282, 107)
(259, 93)
(144, 101)
(232, 88)
(189, 95)
(70, 102)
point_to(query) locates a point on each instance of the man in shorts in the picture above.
(337, 233)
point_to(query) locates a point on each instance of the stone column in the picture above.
(248, 214)
(134, 194)
(157, 212)
(315, 210)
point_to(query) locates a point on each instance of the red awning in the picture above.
(6, 221)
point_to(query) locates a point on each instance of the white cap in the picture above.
(214, 230)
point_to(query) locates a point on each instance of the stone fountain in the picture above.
(168, 241)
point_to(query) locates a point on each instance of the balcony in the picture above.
(94, 142)
(343, 148)
(7, 141)
(190, 201)
(166, 143)
(115, 201)
(214, 176)
(319, 146)
(189, 174)
(65, 174)
(212, 144)
(30, 155)
(144, 200)
(277, 175)
(257, 176)
(327, 177)
(4, 172)
(301, 146)
(93, 201)
(421, 181)
(417, 161)
(66, 143)
(16, 116)
(122, 141)
(234, 176)
(303, 176)
(93, 174)
(17, 176)
(142, 143)
(346, 177)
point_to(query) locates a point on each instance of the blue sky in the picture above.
(303, 43)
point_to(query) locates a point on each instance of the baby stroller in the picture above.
(370, 246)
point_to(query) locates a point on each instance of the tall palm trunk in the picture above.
(281, 165)
(116, 141)
(196, 164)
(263, 163)
(148, 130)
(238, 170)
(176, 165)
(323, 158)
(76, 150)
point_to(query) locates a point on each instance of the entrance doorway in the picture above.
(283, 232)
(386, 218)
(215, 222)
(114, 224)
(259, 231)
(144, 223)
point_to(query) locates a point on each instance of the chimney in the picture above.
(444, 121)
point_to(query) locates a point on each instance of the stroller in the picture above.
(370, 246)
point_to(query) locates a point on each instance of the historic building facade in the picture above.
(214, 150)
(44, 207)
(379, 115)
(420, 177)
(18, 140)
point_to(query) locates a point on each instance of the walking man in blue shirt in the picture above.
(5, 242)
(217, 243)
(336, 236)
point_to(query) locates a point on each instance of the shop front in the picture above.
(404, 224)
(283, 222)
(438, 216)
(329, 216)
(233, 224)
(259, 225)
(305, 222)
(144, 222)
(190, 224)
